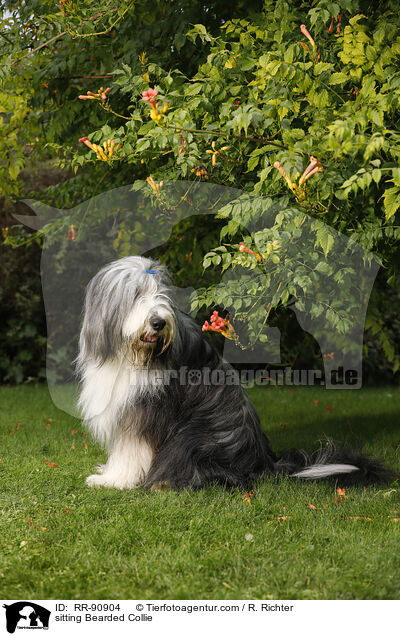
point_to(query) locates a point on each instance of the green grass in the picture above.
(60, 539)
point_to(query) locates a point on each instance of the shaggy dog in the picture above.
(151, 392)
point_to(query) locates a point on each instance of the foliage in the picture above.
(51, 53)
(22, 341)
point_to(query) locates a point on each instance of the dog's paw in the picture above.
(109, 481)
(96, 481)
(160, 486)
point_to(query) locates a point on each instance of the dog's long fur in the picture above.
(180, 435)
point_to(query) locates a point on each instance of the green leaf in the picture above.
(252, 162)
(377, 175)
(325, 239)
(15, 168)
(391, 200)
(142, 144)
(338, 78)
(396, 176)
(320, 67)
(323, 267)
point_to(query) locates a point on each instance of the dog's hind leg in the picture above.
(188, 462)
(169, 475)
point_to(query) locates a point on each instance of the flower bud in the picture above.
(304, 31)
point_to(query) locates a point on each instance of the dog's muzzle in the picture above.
(149, 338)
(157, 324)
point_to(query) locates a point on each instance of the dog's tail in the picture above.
(332, 463)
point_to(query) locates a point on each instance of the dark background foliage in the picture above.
(144, 41)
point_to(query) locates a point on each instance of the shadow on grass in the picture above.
(303, 419)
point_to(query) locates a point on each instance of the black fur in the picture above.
(212, 434)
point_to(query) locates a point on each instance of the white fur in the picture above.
(107, 390)
(110, 387)
(145, 307)
(139, 316)
(324, 470)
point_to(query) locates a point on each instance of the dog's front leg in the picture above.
(128, 463)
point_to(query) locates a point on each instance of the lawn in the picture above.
(60, 539)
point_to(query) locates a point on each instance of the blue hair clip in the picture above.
(149, 271)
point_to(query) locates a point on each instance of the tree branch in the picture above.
(41, 46)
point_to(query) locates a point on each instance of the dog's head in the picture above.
(128, 311)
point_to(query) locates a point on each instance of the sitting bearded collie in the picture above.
(151, 392)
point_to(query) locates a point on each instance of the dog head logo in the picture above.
(327, 278)
(26, 615)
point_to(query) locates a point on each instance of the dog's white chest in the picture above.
(104, 388)
(110, 389)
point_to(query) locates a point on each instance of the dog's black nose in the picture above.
(157, 323)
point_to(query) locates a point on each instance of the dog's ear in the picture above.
(95, 341)
(101, 334)
(196, 350)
